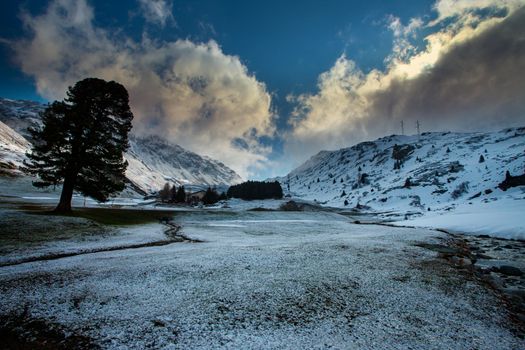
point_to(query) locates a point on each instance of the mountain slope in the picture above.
(444, 170)
(152, 161)
(20, 114)
(13, 148)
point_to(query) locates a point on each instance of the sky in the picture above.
(264, 85)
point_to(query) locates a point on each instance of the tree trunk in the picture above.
(64, 206)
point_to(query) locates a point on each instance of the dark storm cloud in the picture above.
(476, 85)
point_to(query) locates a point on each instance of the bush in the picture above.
(511, 181)
(402, 152)
(290, 206)
(460, 190)
(363, 179)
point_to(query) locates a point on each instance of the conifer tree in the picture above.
(82, 141)
(173, 194)
(164, 194)
(210, 197)
(181, 195)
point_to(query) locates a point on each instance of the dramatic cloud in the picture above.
(467, 77)
(157, 11)
(191, 93)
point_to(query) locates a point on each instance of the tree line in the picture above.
(179, 195)
(256, 190)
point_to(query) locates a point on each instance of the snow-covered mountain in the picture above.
(20, 114)
(414, 174)
(152, 160)
(13, 148)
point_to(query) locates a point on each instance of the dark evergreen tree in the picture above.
(180, 197)
(408, 183)
(481, 159)
(164, 193)
(346, 202)
(343, 194)
(210, 197)
(173, 194)
(82, 141)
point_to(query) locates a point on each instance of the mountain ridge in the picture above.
(152, 161)
(413, 174)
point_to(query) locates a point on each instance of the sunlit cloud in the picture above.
(191, 93)
(466, 77)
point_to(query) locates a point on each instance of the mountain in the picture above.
(13, 148)
(153, 161)
(20, 114)
(413, 174)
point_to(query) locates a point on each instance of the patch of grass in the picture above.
(115, 216)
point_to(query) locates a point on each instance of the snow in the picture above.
(503, 219)
(438, 165)
(265, 280)
(154, 161)
(13, 148)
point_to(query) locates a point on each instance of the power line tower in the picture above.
(402, 128)
(418, 133)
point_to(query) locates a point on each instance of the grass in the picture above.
(115, 216)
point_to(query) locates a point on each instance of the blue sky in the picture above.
(286, 44)
(310, 67)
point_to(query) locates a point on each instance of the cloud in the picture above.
(157, 12)
(192, 93)
(467, 77)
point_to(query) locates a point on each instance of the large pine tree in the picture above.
(82, 141)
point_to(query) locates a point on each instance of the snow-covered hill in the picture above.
(433, 172)
(152, 161)
(20, 114)
(13, 148)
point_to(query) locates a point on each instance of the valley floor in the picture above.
(257, 280)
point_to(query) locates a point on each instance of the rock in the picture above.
(509, 270)
(440, 248)
(290, 206)
(158, 323)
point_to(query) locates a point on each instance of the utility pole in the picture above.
(402, 128)
(417, 126)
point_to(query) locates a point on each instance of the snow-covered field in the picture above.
(442, 180)
(264, 280)
(504, 219)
